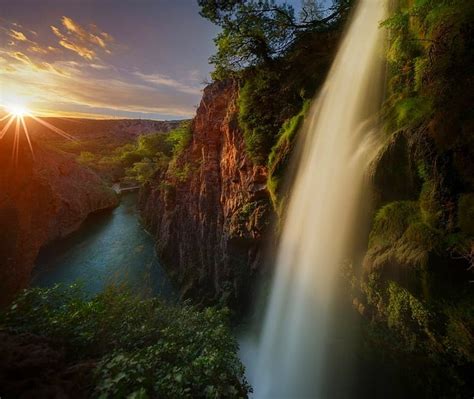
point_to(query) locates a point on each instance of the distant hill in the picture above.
(107, 131)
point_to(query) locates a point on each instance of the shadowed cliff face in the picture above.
(41, 200)
(210, 209)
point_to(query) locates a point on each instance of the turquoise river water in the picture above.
(111, 247)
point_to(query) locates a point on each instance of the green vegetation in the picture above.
(271, 51)
(273, 93)
(280, 155)
(257, 32)
(141, 348)
(415, 290)
(139, 162)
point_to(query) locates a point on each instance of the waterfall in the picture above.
(321, 221)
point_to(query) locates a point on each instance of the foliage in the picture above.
(155, 152)
(427, 53)
(143, 171)
(405, 312)
(179, 138)
(256, 32)
(144, 347)
(280, 155)
(421, 318)
(257, 109)
(272, 94)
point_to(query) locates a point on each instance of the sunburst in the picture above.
(15, 122)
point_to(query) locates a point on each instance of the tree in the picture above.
(258, 31)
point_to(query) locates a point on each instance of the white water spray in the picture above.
(319, 227)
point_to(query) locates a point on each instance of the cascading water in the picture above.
(320, 224)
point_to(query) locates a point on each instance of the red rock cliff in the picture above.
(40, 201)
(209, 218)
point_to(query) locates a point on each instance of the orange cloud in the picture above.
(81, 50)
(18, 55)
(81, 41)
(16, 35)
(35, 65)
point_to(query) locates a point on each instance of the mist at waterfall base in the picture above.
(304, 347)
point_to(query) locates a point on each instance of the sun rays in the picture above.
(17, 118)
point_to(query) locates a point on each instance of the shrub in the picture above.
(143, 347)
(406, 313)
(179, 138)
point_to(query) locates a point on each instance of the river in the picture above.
(111, 247)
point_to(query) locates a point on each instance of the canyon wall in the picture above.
(41, 200)
(209, 210)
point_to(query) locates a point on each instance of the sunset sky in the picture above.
(105, 58)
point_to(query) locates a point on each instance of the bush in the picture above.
(179, 138)
(143, 347)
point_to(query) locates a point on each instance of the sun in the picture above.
(17, 118)
(17, 110)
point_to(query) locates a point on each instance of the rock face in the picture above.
(210, 209)
(41, 200)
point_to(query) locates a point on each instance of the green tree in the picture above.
(258, 31)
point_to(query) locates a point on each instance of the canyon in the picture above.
(47, 196)
(210, 221)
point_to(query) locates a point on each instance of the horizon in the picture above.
(120, 60)
(105, 61)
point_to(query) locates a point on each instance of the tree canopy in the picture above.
(258, 31)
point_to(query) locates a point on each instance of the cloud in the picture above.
(18, 55)
(36, 48)
(164, 80)
(63, 72)
(83, 42)
(16, 35)
(21, 41)
(76, 88)
(35, 65)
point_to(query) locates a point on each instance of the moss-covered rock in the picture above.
(394, 172)
(280, 156)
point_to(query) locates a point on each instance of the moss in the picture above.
(392, 220)
(430, 204)
(399, 235)
(466, 213)
(412, 111)
(423, 236)
(280, 155)
(260, 112)
(405, 312)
